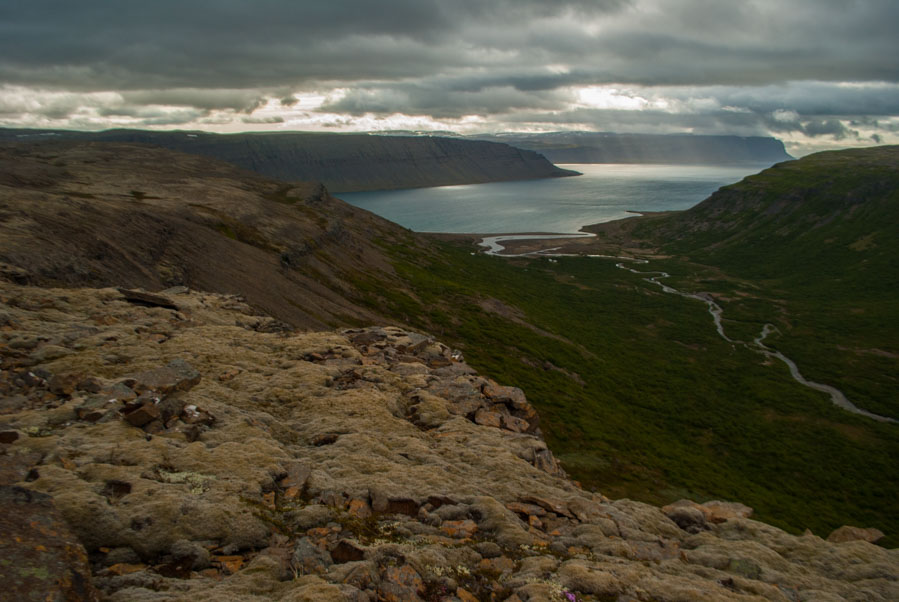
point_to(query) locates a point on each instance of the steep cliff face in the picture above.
(685, 149)
(196, 455)
(344, 162)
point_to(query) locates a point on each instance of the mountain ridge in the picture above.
(342, 162)
(685, 149)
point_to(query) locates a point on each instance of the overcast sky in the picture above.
(815, 73)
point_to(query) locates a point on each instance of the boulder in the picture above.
(177, 375)
(847, 533)
(42, 559)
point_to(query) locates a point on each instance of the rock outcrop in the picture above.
(363, 464)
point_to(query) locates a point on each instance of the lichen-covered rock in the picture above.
(41, 558)
(847, 533)
(368, 464)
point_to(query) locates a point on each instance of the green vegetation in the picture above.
(640, 397)
(810, 246)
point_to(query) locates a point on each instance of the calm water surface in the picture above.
(605, 192)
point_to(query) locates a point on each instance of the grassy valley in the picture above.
(641, 397)
(638, 395)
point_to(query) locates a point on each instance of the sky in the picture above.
(818, 74)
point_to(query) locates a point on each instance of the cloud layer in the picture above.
(816, 72)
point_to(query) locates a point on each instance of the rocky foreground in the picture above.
(180, 447)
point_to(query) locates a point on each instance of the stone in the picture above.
(459, 529)
(847, 533)
(197, 556)
(401, 584)
(486, 417)
(545, 461)
(347, 551)
(309, 558)
(229, 564)
(359, 508)
(514, 424)
(177, 375)
(194, 415)
(89, 385)
(718, 511)
(512, 396)
(9, 436)
(525, 510)
(683, 513)
(687, 516)
(63, 384)
(381, 503)
(41, 558)
(147, 299)
(142, 414)
(94, 408)
(119, 392)
(170, 407)
(553, 506)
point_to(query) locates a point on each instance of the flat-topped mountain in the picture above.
(685, 149)
(342, 162)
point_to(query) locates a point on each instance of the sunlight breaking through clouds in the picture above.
(816, 73)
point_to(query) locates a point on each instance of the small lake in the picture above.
(605, 192)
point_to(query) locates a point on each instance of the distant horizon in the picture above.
(816, 74)
(434, 133)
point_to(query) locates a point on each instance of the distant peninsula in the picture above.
(342, 162)
(683, 149)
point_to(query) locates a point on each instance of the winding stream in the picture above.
(493, 245)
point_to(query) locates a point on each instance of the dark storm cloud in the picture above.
(753, 66)
(231, 43)
(443, 99)
(94, 44)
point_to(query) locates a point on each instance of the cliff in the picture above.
(175, 448)
(685, 149)
(342, 162)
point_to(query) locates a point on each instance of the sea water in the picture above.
(603, 193)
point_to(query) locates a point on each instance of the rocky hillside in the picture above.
(343, 162)
(103, 214)
(829, 214)
(174, 448)
(682, 149)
